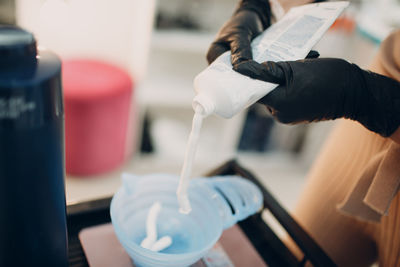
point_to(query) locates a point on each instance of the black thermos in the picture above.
(33, 229)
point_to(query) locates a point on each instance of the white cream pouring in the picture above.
(183, 198)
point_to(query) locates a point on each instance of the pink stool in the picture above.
(97, 99)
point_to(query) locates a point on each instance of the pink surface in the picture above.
(97, 99)
(102, 248)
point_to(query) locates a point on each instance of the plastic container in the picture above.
(193, 234)
(33, 225)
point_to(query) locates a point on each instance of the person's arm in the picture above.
(329, 88)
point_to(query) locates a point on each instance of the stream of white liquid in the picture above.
(183, 199)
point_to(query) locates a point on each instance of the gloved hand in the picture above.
(328, 88)
(250, 18)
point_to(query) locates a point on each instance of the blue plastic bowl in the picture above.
(193, 234)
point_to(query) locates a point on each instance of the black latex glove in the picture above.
(328, 88)
(250, 19)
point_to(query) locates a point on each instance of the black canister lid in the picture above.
(17, 47)
(30, 82)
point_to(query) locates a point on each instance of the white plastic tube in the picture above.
(224, 92)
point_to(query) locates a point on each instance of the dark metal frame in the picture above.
(267, 243)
